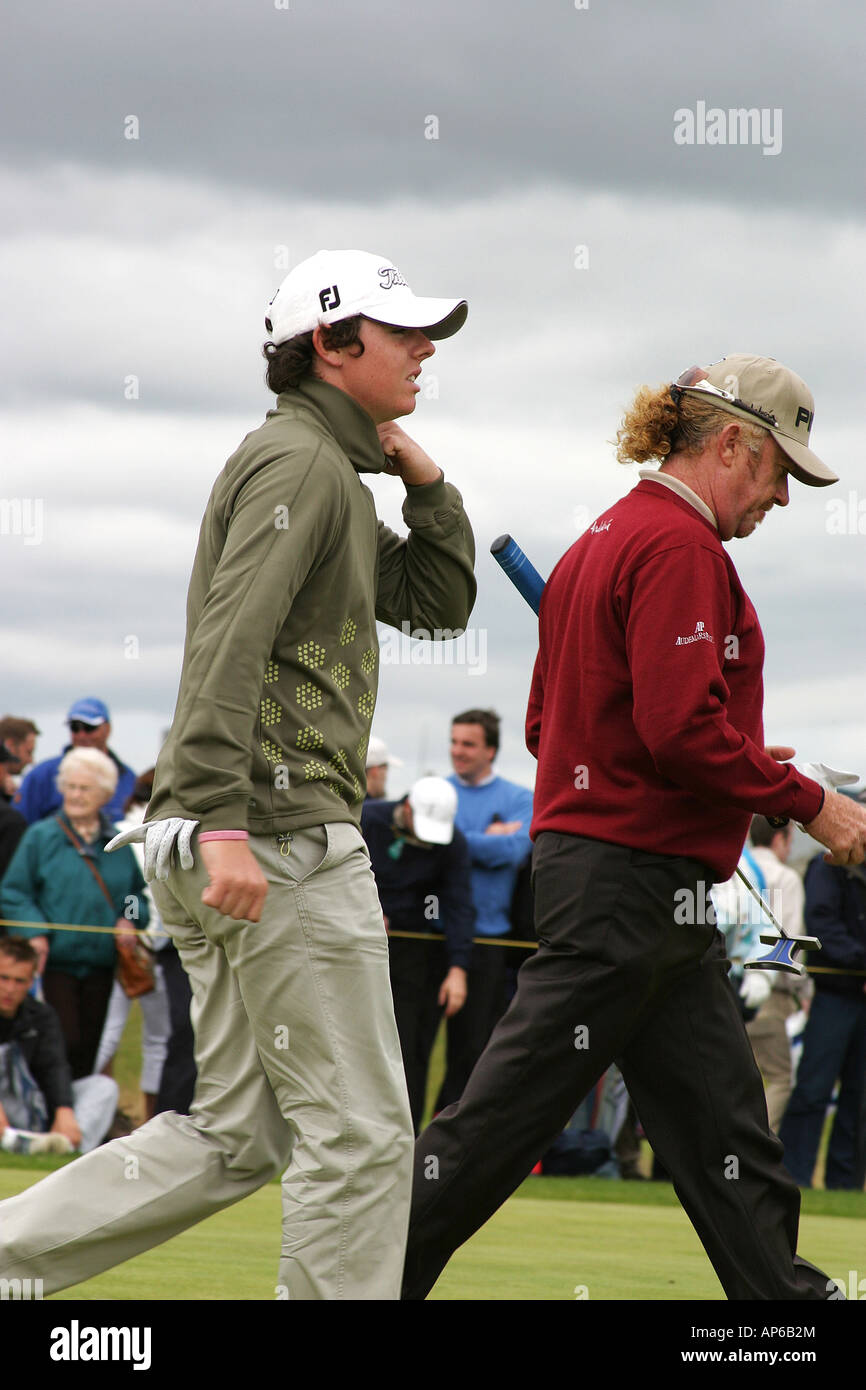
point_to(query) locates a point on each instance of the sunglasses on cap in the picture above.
(77, 726)
(695, 379)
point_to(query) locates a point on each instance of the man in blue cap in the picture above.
(89, 727)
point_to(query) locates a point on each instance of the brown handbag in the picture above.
(134, 967)
(134, 960)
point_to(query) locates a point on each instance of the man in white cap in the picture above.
(379, 761)
(264, 878)
(645, 715)
(422, 867)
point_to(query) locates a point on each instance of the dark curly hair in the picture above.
(290, 362)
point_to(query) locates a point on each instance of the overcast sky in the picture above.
(163, 164)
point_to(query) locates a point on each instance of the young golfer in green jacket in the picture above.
(264, 880)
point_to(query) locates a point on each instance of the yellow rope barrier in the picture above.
(69, 926)
(533, 946)
(476, 940)
(406, 935)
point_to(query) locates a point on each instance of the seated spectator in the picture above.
(42, 1110)
(60, 874)
(834, 1042)
(89, 727)
(154, 1005)
(421, 864)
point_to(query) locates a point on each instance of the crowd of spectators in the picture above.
(72, 917)
(452, 860)
(808, 1033)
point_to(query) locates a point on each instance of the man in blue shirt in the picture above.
(89, 727)
(494, 815)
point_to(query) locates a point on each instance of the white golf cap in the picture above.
(336, 285)
(434, 806)
(378, 755)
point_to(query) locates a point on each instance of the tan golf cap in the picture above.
(759, 389)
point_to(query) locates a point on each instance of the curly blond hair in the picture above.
(655, 426)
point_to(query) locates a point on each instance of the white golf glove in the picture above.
(755, 988)
(827, 777)
(158, 837)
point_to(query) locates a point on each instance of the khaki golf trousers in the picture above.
(298, 1064)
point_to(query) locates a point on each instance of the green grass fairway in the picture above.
(566, 1250)
(556, 1240)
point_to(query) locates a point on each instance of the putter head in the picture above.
(780, 956)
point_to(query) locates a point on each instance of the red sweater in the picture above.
(645, 712)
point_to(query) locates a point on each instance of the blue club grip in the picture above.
(523, 575)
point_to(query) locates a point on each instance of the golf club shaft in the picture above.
(764, 906)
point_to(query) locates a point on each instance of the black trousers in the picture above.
(417, 971)
(619, 976)
(177, 1084)
(469, 1030)
(81, 1005)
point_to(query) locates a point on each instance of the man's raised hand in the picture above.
(406, 459)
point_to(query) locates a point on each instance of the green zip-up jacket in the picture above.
(292, 570)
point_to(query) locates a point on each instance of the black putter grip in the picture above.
(523, 575)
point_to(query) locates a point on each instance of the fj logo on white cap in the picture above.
(329, 298)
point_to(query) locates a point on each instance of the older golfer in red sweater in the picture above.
(645, 717)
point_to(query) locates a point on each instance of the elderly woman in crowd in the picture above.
(60, 874)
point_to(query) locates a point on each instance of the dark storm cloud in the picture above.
(320, 96)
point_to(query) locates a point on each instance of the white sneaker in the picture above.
(26, 1142)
